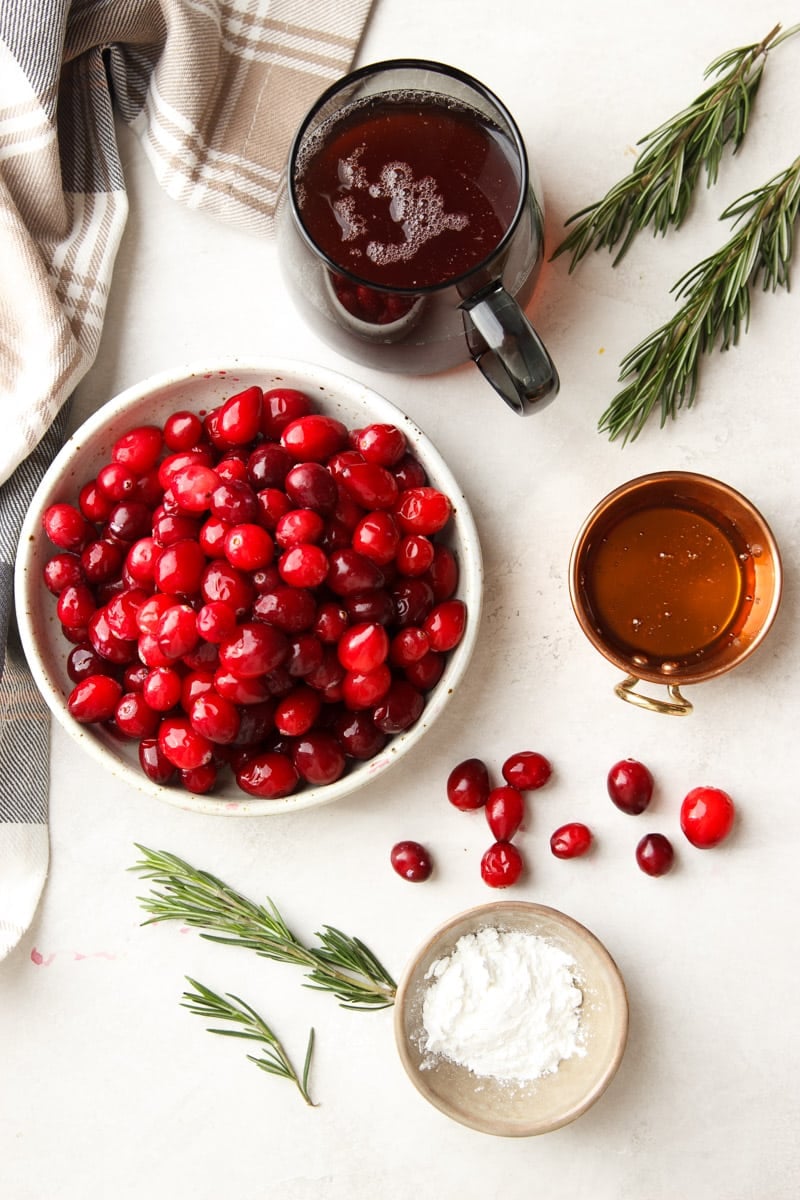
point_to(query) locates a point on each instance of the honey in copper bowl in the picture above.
(675, 577)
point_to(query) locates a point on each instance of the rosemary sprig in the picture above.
(274, 1059)
(341, 964)
(659, 189)
(664, 368)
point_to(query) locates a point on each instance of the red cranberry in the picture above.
(505, 810)
(314, 438)
(423, 510)
(468, 784)
(281, 406)
(630, 786)
(400, 708)
(376, 536)
(571, 840)
(297, 711)
(414, 554)
(501, 865)
(239, 418)
(363, 647)
(310, 485)
(707, 815)
(66, 527)
(526, 770)
(445, 625)
(654, 854)
(360, 738)
(135, 718)
(269, 775)
(411, 861)
(370, 485)
(182, 745)
(182, 430)
(215, 717)
(364, 689)
(381, 443)
(94, 698)
(319, 758)
(62, 570)
(138, 449)
(299, 525)
(292, 609)
(253, 649)
(303, 566)
(154, 763)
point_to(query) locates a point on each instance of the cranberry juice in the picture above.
(407, 190)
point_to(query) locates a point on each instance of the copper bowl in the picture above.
(744, 586)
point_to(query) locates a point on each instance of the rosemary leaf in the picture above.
(659, 189)
(340, 964)
(664, 369)
(274, 1059)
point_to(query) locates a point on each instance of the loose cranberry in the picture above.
(248, 547)
(363, 647)
(105, 641)
(199, 780)
(66, 527)
(468, 784)
(140, 561)
(426, 672)
(179, 569)
(215, 717)
(370, 485)
(253, 649)
(76, 605)
(423, 510)
(122, 612)
(221, 581)
(235, 502)
(239, 418)
(501, 865)
(707, 815)
(193, 485)
(162, 689)
(630, 786)
(83, 661)
(299, 525)
(381, 443)
(175, 462)
(154, 763)
(571, 840)
(413, 600)
(319, 758)
(310, 485)
(358, 735)
(94, 504)
(176, 632)
(505, 810)
(527, 770)
(269, 775)
(182, 430)
(182, 745)
(443, 574)
(445, 625)
(194, 684)
(292, 609)
(150, 612)
(314, 438)
(303, 566)
(331, 621)
(364, 689)
(281, 406)
(297, 711)
(216, 621)
(374, 607)
(305, 655)
(135, 718)
(138, 449)
(62, 570)
(400, 708)
(654, 854)
(376, 536)
(414, 554)
(408, 646)
(116, 481)
(241, 691)
(94, 698)
(411, 861)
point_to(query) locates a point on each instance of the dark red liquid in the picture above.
(407, 191)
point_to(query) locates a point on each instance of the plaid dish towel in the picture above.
(214, 90)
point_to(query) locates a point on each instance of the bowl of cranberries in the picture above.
(248, 588)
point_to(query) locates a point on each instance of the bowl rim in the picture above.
(303, 375)
(642, 483)
(480, 916)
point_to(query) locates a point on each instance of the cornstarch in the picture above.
(503, 1004)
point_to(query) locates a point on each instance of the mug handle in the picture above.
(676, 706)
(509, 351)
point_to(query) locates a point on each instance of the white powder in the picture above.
(503, 1004)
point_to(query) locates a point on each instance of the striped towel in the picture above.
(214, 90)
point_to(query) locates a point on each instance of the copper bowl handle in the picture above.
(676, 706)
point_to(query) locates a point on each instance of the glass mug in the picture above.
(410, 232)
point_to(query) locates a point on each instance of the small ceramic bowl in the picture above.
(503, 1107)
(693, 564)
(200, 389)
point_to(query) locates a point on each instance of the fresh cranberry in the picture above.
(76, 605)
(571, 840)
(526, 770)
(155, 765)
(66, 527)
(94, 504)
(331, 621)
(411, 861)
(425, 672)
(215, 717)
(135, 718)
(138, 449)
(443, 574)
(501, 865)
(413, 601)
(122, 612)
(128, 520)
(358, 735)
(654, 854)
(445, 625)
(374, 607)
(162, 689)
(313, 438)
(94, 698)
(350, 572)
(83, 661)
(193, 485)
(199, 780)
(408, 646)
(248, 547)
(297, 711)
(216, 621)
(176, 632)
(400, 707)
(182, 430)
(269, 775)
(363, 647)
(235, 502)
(381, 443)
(310, 485)
(468, 784)
(299, 525)
(239, 418)
(221, 581)
(707, 815)
(304, 565)
(182, 745)
(140, 561)
(376, 536)
(414, 554)
(305, 655)
(370, 485)
(105, 641)
(423, 510)
(630, 786)
(62, 570)
(505, 810)
(363, 689)
(280, 407)
(253, 649)
(179, 569)
(150, 612)
(116, 481)
(319, 758)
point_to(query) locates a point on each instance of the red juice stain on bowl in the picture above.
(406, 191)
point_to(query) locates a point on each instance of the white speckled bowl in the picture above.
(200, 388)
(501, 1107)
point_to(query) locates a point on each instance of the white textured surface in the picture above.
(109, 1087)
